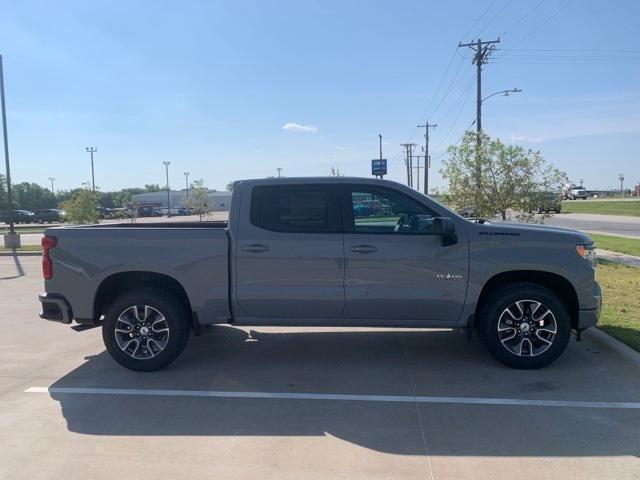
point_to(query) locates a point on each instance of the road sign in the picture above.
(379, 167)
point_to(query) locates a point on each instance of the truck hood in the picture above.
(499, 229)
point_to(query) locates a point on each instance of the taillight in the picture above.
(47, 244)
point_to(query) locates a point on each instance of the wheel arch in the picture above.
(116, 284)
(557, 283)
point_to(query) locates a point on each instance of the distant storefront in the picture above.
(221, 200)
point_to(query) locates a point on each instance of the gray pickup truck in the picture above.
(323, 252)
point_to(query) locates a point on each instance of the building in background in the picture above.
(221, 200)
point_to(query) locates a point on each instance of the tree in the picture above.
(199, 201)
(511, 178)
(3, 192)
(152, 187)
(31, 196)
(82, 207)
(229, 187)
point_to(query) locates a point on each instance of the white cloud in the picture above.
(524, 138)
(296, 127)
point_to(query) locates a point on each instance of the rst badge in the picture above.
(449, 276)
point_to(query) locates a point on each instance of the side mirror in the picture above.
(445, 227)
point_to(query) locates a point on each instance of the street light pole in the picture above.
(6, 148)
(166, 167)
(621, 178)
(279, 169)
(51, 179)
(186, 180)
(92, 150)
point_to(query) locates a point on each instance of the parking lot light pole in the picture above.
(166, 167)
(51, 179)
(92, 150)
(186, 181)
(12, 239)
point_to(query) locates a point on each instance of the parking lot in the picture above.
(303, 404)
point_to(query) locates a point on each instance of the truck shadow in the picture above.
(383, 362)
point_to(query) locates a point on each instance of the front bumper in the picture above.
(589, 317)
(55, 308)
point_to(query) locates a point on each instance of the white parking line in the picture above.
(334, 396)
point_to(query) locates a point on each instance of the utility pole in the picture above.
(6, 154)
(418, 167)
(279, 172)
(409, 161)
(621, 178)
(166, 167)
(427, 160)
(51, 179)
(186, 181)
(92, 150)
(483, 51)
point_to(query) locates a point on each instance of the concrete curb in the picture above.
(607, 342)
(20, 254)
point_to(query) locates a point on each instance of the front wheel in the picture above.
(146, 329)
(525, 325)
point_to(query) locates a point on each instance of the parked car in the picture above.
(547, 202)
(48, 215)
(18, 216)
(294, 254)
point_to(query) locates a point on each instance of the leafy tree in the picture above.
(82, 207)
(31, 196)
(229, 187)
(199, 201)
(152, 187)
(3, 192)
(512, 179)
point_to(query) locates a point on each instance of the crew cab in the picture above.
(323, 252)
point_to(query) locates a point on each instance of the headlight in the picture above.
(587, 252)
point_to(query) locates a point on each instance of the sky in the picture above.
(227, 90)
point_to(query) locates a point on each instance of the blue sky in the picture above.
(209, 86)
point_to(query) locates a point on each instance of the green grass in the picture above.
(604, 207)
(21, 229)
(630, 246)
(620, 316)
(24, 248)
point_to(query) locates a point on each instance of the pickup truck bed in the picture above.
(193, 255)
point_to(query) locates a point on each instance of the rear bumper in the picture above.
(589, 317)
(55, 308)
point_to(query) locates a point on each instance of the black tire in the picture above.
(176, 320)
(494, 309)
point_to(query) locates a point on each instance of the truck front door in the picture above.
(290, 254)
(396, 269)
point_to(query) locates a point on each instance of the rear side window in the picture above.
(295, 208)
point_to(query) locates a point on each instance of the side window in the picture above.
(383, 210)
(294, 208)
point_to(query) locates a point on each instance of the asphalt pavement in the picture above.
(607, 224)
(339, 403)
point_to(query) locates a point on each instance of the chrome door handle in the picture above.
(363, 248)
(256, 248)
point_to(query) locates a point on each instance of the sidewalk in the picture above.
(618, 257)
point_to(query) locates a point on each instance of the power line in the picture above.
(478, 19)
(529, 12)
(544, 22)
(495, 16)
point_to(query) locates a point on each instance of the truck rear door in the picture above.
(289, 253)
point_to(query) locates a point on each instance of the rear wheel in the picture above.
(525, 325)
(146, 329)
